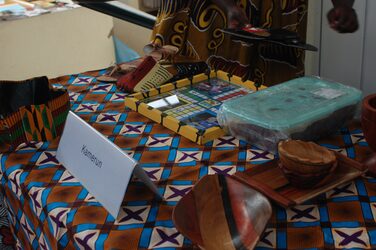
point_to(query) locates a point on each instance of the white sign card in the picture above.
(101, 166)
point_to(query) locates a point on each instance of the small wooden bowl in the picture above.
(307, 180)
(305, 158)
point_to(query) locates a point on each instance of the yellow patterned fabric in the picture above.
(194, 26)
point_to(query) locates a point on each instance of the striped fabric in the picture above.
(149, 74)
(36, 121)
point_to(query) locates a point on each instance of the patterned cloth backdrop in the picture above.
(194, 27)
(50, 209)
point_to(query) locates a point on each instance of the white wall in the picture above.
(346, 58)
(312, 59)
(369, 66)
(134, 36)
(55, 44)
(341, 56)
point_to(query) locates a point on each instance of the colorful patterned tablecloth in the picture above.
(49, 208)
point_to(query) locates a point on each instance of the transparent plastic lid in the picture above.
(293, 103)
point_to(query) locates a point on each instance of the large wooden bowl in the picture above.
(305, 158)
(221, 213)
(369, 120)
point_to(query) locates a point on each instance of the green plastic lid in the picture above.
(293, 103)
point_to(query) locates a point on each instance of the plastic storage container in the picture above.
(306, 108)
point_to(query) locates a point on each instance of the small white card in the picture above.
(101, 167)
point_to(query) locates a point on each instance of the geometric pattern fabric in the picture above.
(49, 209)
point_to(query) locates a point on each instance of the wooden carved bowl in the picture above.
(305, 157)
(305, 164)
(222, 213)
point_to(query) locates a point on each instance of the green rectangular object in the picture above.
(306, 108)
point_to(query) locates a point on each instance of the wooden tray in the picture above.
(268, 179)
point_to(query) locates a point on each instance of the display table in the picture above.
(50, 209)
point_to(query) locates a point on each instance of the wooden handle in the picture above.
(343, 160)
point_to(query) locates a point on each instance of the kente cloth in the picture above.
(49, 208)
(31, 110)
(194, 27)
